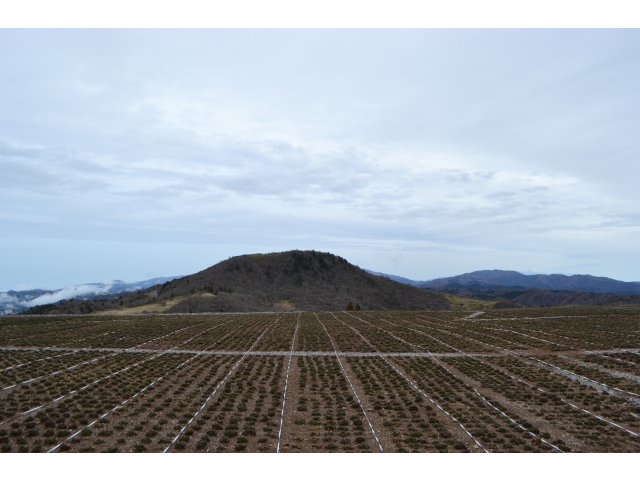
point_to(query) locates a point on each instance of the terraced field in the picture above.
(528, 380)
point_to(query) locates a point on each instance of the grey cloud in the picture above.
(384, 139)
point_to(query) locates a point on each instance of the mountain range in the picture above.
(510, 278)
(309, 280)
(18, 300)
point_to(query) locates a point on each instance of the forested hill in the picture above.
(507, 278)
(300, 280)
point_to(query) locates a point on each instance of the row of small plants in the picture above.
(149, 422)
(383, 370)
(381, 340)
(552, 382)
(495, 431)
(50, 425)
(516, 340)
(410, 422)
(342, 335)
(243, 417)
(311, 335)
(241, 339)
(32, 395)
(443, 332)
(279, 336)
(10, 359)
(326, 416)
(451, 398)
(206, 373)
(96, 332)
(576, 429)
(578, 331)
(67, 384)
(542, 446)
(622, 362)
(46, 367)
(629, 384)
(44, 331)
(400, 328)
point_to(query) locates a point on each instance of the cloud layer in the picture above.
(448, 149)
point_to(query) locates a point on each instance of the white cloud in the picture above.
(513, 142)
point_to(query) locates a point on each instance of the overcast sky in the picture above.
(422, 153)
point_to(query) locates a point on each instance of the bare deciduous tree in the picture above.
(193, 300)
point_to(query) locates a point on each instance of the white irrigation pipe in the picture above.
(350, 384)
(42, 359)
(564, 336)
(447, 331)
(486, 335)
(73, 350)
(286, 382)
(119, 406)
(416, 387)
(140, 392)
(525, 335)
(470, 386)
(58, 372)
(550, 365)
(68, 394)
(218, 387)
(545, 333)
(520, 318)
(569, 372)
(565, 372)
(297, 353)
(538, 388)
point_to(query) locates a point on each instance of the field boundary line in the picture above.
(350, 384)
(286, 382)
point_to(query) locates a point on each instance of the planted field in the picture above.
(529, 380)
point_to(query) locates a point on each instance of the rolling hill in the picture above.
(293, 280)
(563, 298)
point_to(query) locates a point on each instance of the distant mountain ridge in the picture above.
(509, 278)
(18, 300)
